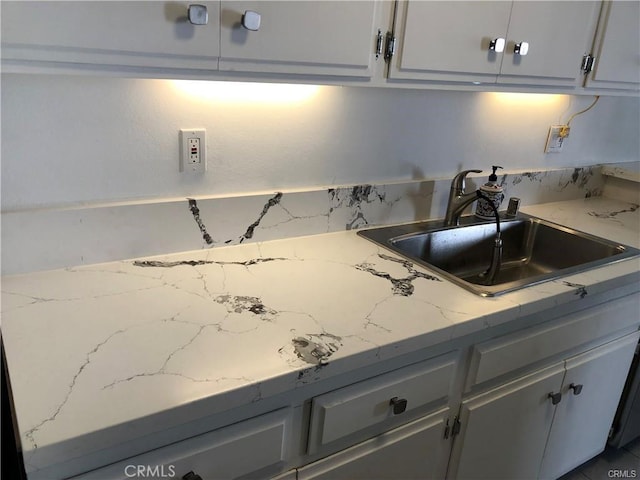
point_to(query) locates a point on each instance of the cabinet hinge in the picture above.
(452, 430)
(455, 430)
(379, 44)
(390, 46)
(587, 63)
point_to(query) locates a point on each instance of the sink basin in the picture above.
(534, 250)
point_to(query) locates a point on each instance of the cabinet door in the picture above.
(145, 33)
(558, 34)
(306, 37)
(504, 431)
(417, 450)
(617, 48)
(449, 41)
(585, 414)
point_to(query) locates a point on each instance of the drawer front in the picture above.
(416, 450)
(497, 357)
(348, 410)
(226, 453)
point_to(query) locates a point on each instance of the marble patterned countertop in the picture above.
(627, 171)
(94, 349)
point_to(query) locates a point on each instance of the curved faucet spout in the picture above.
(458, 199)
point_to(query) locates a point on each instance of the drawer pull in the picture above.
(577, 389)
(191, 476)
(555, 397)
(399, 405)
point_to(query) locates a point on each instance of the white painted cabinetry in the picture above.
(448, 41)
(417, 451)
(504, 430)
(310, 37)
(253, 447)
(452, 41)
(372, 408)
(617, 47)
(590, 394)
(540, 419)
(303, 37)
(136, 34)
(437, 42)
(547, 423)
(374, 404)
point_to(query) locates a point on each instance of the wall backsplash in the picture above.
(52, 238)
(90, 164)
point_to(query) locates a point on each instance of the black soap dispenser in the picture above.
(494, 192)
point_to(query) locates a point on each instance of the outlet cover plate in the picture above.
(554, 140)
(193, 150)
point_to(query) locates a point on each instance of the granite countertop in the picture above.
(209, 330)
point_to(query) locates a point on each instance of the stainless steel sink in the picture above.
(534, 250)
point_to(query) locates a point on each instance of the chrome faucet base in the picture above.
(458, 199)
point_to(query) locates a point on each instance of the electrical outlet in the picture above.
(193, 151)
(555, 138)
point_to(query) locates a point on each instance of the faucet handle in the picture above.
(458, 181)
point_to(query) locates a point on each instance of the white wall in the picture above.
(75, 139)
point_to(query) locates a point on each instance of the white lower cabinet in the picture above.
(504, 431)
(417, 450)
(546, 423)
(590, 395)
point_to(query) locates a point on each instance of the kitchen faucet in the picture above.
(458, 199)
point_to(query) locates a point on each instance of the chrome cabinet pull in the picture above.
(251, 20)
(198, 14)
(521, 48)
(497, 45)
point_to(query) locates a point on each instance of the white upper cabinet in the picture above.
(146, 33)
(449, 41)
(617, 47)
(301, 37)
(558, 35)
(336, 38)
(521, 42)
